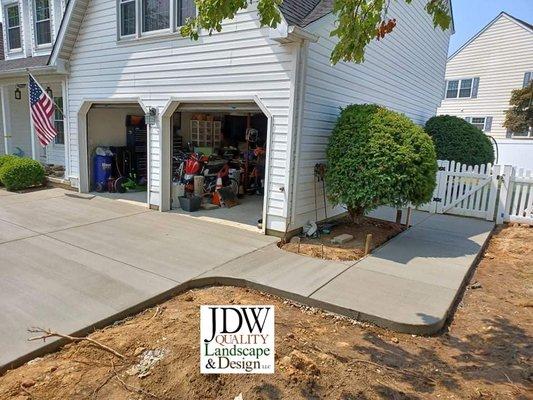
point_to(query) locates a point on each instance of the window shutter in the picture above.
(475, 87)
(488, 124)
(468, 119)
(508, 134)
(445, 88)
(527, 78)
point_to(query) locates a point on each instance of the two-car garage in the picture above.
(210, 157)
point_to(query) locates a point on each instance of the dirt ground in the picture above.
(485, 353)
(321, 247)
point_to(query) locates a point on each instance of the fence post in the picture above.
(506, 191)
(442, 178)
(493, 194)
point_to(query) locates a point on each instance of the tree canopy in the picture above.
(377, 157)
(519, 118)
(358, 22)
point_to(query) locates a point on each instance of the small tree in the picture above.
(458, 140)
(519, 118)
(378, 157)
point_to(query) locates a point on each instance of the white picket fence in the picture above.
(518, 195)
(491, 192)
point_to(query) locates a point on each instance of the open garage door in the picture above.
(218, 162)
(117, 151)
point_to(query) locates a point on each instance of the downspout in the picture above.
(300, 79)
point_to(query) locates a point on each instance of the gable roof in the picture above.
(503, 14)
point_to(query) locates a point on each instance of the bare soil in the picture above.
(321, 247)
(484, 353)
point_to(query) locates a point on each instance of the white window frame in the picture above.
(50, 13)
(459, 83)
(528, 135)
(479, 123)
(119, 13)
(139, 33)
(59, 117)
(19, 26)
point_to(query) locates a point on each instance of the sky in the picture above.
(471, 16)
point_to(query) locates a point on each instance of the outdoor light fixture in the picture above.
(18, 94)
(49, 92)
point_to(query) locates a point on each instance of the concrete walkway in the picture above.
(74, 264)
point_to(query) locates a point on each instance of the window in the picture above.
(528, 77)
(141, 16)
(466, 88)
(452, 89)
(59, 122)
(525, 134)
(14, 41)
(185, 9)
(156, 15)
(43, 31)
(462, 88)
(127, 18)
(479, 122)
(483, 123)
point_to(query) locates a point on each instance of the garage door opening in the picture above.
(218, 162)
(117, 152)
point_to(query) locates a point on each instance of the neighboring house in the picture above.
(29, 29)
(127, 57)
(480, 77)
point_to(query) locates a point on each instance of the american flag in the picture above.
(42, 109)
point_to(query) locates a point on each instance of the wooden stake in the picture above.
(398, 217)
(368, 244)
(408, 218)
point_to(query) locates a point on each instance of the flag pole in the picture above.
(32, 128)
(44, 91)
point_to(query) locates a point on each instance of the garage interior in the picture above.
(218, 162)
(117, 152)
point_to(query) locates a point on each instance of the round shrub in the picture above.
(7, 158)
(22, 173)
(458, 140)
(4, 160)
(378, 157)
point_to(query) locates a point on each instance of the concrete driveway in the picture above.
(69, 263)
(73, 264)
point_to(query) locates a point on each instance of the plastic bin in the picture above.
(190, 204)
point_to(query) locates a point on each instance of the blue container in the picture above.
(103, 168)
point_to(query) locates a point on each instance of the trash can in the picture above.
(103, 167)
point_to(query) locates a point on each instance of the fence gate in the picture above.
(465, 190)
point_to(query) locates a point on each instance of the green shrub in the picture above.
(378, 157)
(458, 140)
(21, 173)
(7, 158)
(4, 160)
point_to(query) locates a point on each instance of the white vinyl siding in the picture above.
(404, 72)
(500, 57)
(240, 61)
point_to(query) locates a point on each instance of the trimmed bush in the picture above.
(22, 173)
(7, 158)
(458, 140)
(378, 157)
(4, 160)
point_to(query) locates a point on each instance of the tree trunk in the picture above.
(356, 214)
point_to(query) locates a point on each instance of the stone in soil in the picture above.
(341, 239)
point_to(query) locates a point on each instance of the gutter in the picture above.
(15, 73)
